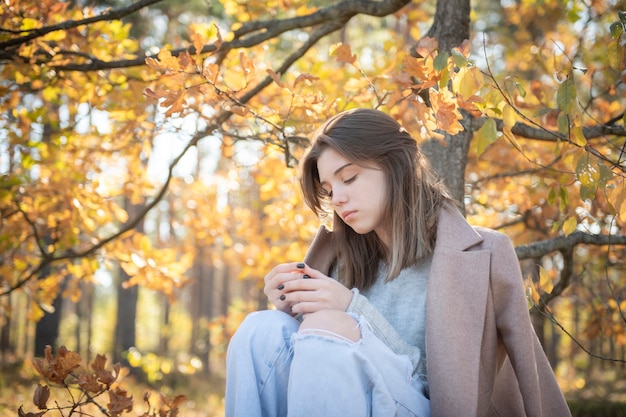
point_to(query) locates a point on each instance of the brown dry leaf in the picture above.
(304, 77)
(426, 46)
(119, 402)
(21, 413)
(41, 396)
(276, 77)
(343, 52)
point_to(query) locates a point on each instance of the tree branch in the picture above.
(564, 243)
(115, 14)
(269, 29)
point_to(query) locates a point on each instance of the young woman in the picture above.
(404, 309)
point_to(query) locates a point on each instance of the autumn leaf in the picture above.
(566, 96)
(577, 136)
(89, 383)
(304, 78)
(343, 53)
(468, 81)
(426, 47)
(569, 226)
(485, 136)
(167, 60)
(41, 396)
(415, 67)
(275, 77)
(119, 401)
(545, 282)
(175, 100)
(445, 111)
(617, 198)
(247, 64)
(21, 413)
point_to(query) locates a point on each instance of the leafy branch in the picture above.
(64, 371)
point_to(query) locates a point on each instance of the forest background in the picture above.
(148, 155)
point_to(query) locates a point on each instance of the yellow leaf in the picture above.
(50, 93)
(545, 282)
(569, 226)
(56, 36)
(577, 136)
(508, 115)
(468, 81)
(35, 313)
(617, 198)
(19, 78)
(167, 60)
(30, 23)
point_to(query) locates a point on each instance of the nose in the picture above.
(339, 196)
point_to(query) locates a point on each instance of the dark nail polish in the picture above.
(305, 276)
(300, 265)
(281, 286)
(282, 297)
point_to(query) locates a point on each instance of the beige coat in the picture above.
(484, 358)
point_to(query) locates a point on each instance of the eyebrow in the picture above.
(337, 171)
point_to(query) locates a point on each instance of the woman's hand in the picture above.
(296, 288)
(275, 283)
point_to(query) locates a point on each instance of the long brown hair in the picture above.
(415, 195)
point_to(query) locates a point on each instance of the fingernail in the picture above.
(300, 265)
(282, 297)
(281, 286)
(305, 276)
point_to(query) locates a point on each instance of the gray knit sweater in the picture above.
(396, 312)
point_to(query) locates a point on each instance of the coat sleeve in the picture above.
(526, 361)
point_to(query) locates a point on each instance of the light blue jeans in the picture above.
(272, 370)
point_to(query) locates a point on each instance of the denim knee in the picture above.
(262, 326)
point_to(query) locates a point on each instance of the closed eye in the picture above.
(350, 180)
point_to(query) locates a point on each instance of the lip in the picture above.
(347, 214)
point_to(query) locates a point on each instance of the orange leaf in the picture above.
(343, 52)
(416, 68)
(446, 112)
(426, 46)
(304, 77)
(276, 77)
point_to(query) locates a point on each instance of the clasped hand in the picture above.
(296, 288)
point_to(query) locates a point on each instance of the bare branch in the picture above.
(564, 243)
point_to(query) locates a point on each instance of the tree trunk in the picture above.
(450, 35)
(125, 336)
(86, 317)
(47, 329)
(449, 156)
(5, 330)
(125, 331)
(201, 293)
(164, 340)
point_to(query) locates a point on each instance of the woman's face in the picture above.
(357, 193)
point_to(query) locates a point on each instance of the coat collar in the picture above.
(454, 232)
